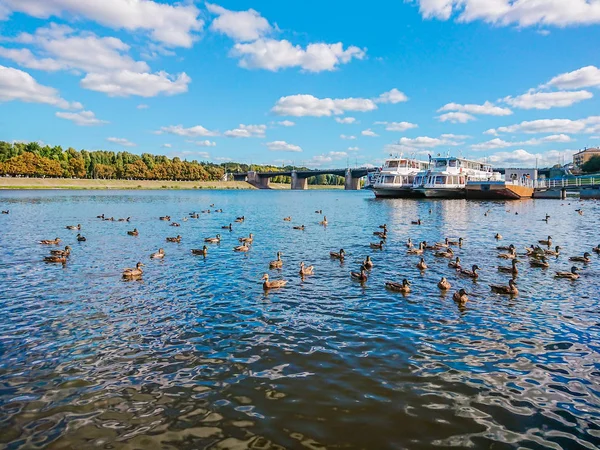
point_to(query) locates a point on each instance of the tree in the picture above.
(591, 165)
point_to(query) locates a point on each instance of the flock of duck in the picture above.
(537, 254)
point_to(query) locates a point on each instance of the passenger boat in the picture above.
(448, 177)
(396, 178)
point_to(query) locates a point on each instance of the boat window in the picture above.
(440, 163)
(392, 164)
(462, 180)
(403, 163)
(452, 163)
(440, 180)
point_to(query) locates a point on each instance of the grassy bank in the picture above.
(69, 183)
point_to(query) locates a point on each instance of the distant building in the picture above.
(512, 174)
(579, 159)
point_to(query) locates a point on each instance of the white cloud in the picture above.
(170, 24)
(319, 160)
(393, 96)
(239, 25)
(588, 76)
(282, 146)
(456, 117)
(353, 149)
(65, 49)
(300, 105)
(397, 126)
(487, 108)
(555, 126)
(523, 13)
(500, 143)
(179, 130)
(166, 146)
(18, 85)
(547, 100)
(81, 118)
(247, 131)
(125, 83)
(369, 132)
(121, 141)
(345, 120)
(205, 143)
(424, 142)
(204, 155)
(271, 54)
(343, 136)
(286, 123)
(522, 158)
(142, 106)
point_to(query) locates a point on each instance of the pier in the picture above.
(588, 187)
(300, 177)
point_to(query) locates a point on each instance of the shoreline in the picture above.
(9, 183)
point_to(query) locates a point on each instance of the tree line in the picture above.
(34, 160)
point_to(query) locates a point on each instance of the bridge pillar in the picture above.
(563, 194)
(351, 183)
(263, 182)
(298, 184)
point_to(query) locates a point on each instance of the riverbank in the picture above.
(71, 183)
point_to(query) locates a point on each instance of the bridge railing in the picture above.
(568, 182)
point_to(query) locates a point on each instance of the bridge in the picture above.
(587, 186)
(300, 177)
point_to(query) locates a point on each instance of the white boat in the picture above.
(396, 178)
(449, 175)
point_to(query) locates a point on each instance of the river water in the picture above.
(196, 355)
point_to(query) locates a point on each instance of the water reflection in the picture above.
(196, 355)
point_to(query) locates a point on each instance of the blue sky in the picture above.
(313, 83)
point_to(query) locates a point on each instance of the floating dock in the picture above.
(498, 190)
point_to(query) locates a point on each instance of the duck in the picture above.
(460, 297)
(5, 211)
(324, 221)
(368, 263)
(427, 246)
(381, 234)
(596, 249)
(212, 205)
(319, 211)
(417, 251)
(306, 270)
(441, 245)
(547, 242)
(421, 265)
(175, 224)
(184, 219)
(101, 216)
(213, 240)
(247, 240)
(513, 269)
(539, 262)
(383, 227)
(132, 273)
(360, 276)
(301, 227)
(55, 259)
(165, 218)
(573, 275)
(195, 216)
(174, 239)
(534, 251)
(512, 254)
(376, 245)
(240, 219)
(127, 219)
(227, 227)
(498, 236)
(220, 210)
(276, 264)
(506, 248)
(135, 232)
(459, 242)
(200, 251)
(205, 211)
(73, 227)
(409, 243)
(455, 264)
(416, 222)
(338, 255)
(275, 284)
(584, 259)
(444, 284)
(160, 254)
(545, 219)
(64, 252)
(511, 289)
(109, 219)
(555, 252)
(287, 219)
(445, 254)
(470, 273)
(50, 241)
(81, 238)
(242, 248)
(403, 287)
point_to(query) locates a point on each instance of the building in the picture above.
(520, 174)
(579, 159)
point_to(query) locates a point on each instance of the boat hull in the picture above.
(404, 192)
(442, 192)
(497, 191)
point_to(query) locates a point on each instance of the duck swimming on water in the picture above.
(276, 264)
(460, 297)
(572, 275)
(306, 270)
(444, 284)
(584, 259)
(275, 284)
(338, 255)
(360, 276)
(511, 289)
(50, 242)
(470, 273)
(213, 240)
(512, 270)
(455, 264)
(200, 251)
(133, 273)
(160, 254)
(403, 287)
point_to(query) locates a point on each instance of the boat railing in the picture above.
(567, 182)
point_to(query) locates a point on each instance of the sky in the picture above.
(311, 83)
